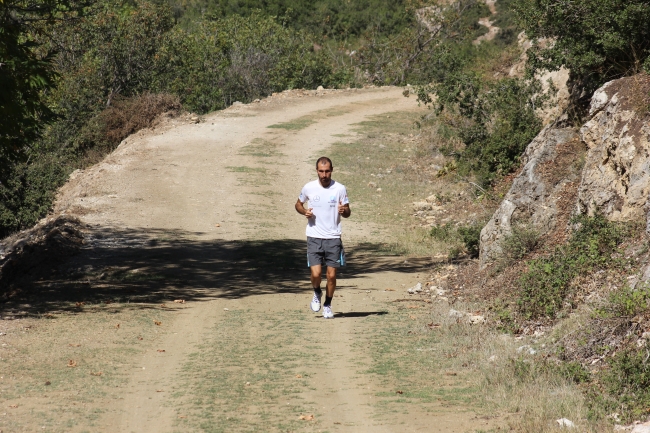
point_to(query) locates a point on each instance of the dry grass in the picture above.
(129, 115)
(63, 370)
(523, 390)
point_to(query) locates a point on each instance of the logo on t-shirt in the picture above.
(332, 199)
(316, 199)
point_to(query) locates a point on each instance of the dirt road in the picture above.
(204, 213)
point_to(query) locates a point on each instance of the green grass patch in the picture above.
(262, 149)
(245, 169)
(295, 125)
(410, 365)
(244, 378)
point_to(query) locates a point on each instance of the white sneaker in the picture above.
(315, 302)
(327, 312)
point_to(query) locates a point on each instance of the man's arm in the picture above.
(300, 208)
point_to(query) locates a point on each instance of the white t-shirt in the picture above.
(326, 222)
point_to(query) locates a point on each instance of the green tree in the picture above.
(597, 40)
(25, 73)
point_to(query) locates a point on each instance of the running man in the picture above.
(328, 202)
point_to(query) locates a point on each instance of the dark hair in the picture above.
(324, 159)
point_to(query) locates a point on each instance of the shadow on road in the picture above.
(353, 314)
(156, 266)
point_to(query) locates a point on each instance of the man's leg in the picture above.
(331, 284)
(329, 294)
(315, 284)
(316, 276)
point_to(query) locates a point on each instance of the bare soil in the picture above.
(191, 248)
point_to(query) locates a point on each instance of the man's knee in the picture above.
(331, 273)
(316, 271)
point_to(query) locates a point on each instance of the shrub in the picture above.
(544, 287)
(495, 121)
(628, 302)
(519, 243)
(627, 384)
(442, 232)
(471, 238)
(124, 117)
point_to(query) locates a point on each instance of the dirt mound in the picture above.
(35, 252)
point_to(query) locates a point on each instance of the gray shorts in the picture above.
(327, 252)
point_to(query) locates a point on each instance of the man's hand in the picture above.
(344, 210)
(300, 208)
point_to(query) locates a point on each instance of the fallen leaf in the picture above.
(74, 345)
(157, 322)
(72, 363)
(433, 325)
(13, 406)
(450, 373)
(48, 383)
(140, 338)
(309, 417)
(298, 376)
(161, 350)
(336, 422)
(399, 392)
(217, 225)
(117, 326)
(389, 290)
(182, 416)
(159, 390)
(413, 317)
(96, 373)
(79, 304)
(179, 301)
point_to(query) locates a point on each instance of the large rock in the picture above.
(541, 194)
(616, 177)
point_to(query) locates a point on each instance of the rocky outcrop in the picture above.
(616, 177)
(554, 182)
(540, 192)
